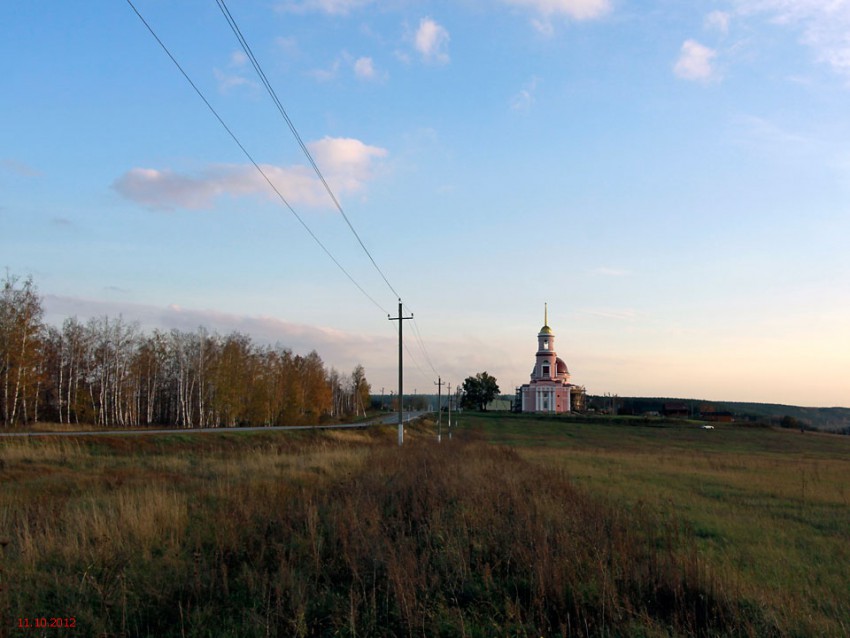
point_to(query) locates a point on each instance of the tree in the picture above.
(479, 390)
(107, 372)
(361, 389)
(20, 352)
(316, 394)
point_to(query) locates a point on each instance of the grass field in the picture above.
(517, 526)
(770, 508)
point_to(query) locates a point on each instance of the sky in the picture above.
(672, 178)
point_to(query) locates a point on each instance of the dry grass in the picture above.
(52, 450)
(341, 533)
(46, 426)
(594, 533)
(769, 508)
(98, 527)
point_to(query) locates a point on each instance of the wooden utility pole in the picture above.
(439, 384)
(449, 395)
(401, 319)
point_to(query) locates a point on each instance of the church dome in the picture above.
(561, 367)
(545, 330)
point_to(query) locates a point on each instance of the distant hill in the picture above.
(826, 419)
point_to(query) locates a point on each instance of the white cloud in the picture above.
(432, 41)
(326, 75)
(234, 75)
(543, 26)
(331, 7)
(825, 25)
(165, 189)
(238, 59)
(346, 163)
(695, 62)
(575, 9)
(228, 81)
(364, 68)
(718, 21)
(525, 99)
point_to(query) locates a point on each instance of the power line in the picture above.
(415, 362)
(234, 26)
(248, 51)
(420, 341)
(255, 63)
(251, 159)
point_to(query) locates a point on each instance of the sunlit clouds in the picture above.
(718, 21)
(331, 7)
(575, 9)
(695, 62)
(824, 25)
(364, 68)
(347, 164)
(432, 41)
(235, 74)
(526, 97)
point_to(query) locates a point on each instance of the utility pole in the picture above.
(449, 395)
(439, 384)
(401, 319)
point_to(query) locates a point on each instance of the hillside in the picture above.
(827, 419)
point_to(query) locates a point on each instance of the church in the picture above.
(550, 389)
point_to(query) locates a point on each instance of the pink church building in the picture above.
(550, 389)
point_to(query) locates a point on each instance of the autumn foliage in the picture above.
(107, 372)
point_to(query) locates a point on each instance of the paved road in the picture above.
(388, 419)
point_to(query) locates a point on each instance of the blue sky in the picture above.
(672, 178)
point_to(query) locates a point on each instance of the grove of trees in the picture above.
(106, 371)
(479, 390)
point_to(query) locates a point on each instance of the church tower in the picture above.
(549, 387)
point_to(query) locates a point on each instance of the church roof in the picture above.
(545, 330)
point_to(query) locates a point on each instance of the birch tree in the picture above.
(106, 372)
(360, 389)
(20, 330)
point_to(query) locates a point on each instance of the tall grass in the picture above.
(769, 508)
(319, 535)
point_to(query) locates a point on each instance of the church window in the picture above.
(544, 369)
(545, 344)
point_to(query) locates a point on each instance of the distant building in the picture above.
(499, 405)
(718, 416)
(549, 389)
(676, 410)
